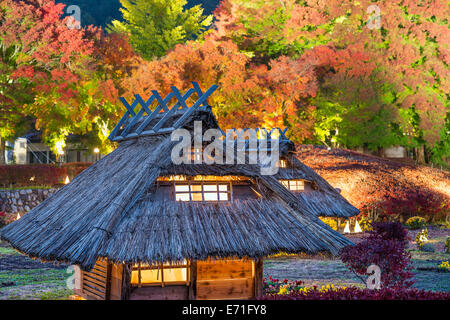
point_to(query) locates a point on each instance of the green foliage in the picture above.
(156, 26)
(415, 223)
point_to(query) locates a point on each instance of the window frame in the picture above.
(160, 267)
(293, 181)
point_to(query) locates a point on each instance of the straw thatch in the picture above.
(325, 201)
(109, 211)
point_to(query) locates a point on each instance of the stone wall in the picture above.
(23, 200)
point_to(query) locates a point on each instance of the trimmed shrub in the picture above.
(353, 293)
(31, 175)
(415, 223)
(75, 168)
(39, 174)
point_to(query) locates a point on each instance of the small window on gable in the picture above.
(202, 191)
(282, 163)
(294, 185)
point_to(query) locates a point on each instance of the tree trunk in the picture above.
(420, 158)
(2, 151)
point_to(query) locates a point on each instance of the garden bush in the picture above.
(353, 293)
(386, 248)
(415, 223)
(421, 203)
(390, 231)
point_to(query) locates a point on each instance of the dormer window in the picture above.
(294, 185)
(202, 191)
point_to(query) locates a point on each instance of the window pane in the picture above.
(177, 274)
(181, 188)
(211, 196)
(196, 196)
(210, 187)
(223, 196)
(182, 197)
(223, 187)
(285, 183)
(196, 187)
(147, 276)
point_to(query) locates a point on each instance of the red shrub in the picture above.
(385, 247)
(389, 231)
(31, 175)
(413, 202)
(75, 168)
(353, 293)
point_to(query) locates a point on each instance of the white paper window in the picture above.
(202, 191)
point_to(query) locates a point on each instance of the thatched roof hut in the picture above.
(123, 209)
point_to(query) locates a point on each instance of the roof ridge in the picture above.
(125, 127)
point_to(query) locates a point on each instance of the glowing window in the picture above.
(160, 274)
(282, 163)
(202, 191)
(294, 185)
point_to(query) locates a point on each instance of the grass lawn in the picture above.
(24, 278)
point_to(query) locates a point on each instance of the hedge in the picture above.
(39, 174)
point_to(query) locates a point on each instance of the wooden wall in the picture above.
(210, 280)
(178, 292)
(227, 279)
(103, 282)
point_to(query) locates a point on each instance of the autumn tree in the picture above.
(155, 26)
(13, 121)
(54, 69)
(394, 89)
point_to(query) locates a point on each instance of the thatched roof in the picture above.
(109, 211)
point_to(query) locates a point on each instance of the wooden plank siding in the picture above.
(225, 279)
(96, 283)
